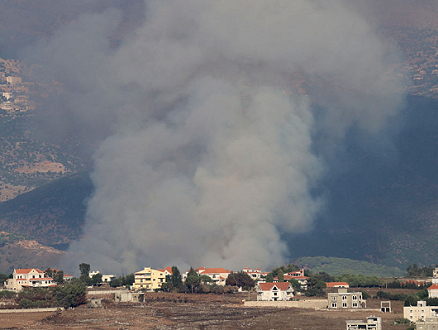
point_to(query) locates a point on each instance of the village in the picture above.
(253, 289)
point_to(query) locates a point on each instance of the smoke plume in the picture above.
(203, 146)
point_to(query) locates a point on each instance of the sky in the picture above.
(204, 151)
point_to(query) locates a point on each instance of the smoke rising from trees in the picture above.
(203, 149)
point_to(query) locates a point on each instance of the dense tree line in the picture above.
(426, 271)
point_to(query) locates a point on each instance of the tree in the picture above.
(176, 278)
(71, 294)
(295, 283)
(58, 277)
(48, 272)
(192, 281)
(96, 279)
(270, 278)
(205, 279)
(192, 272)
(280, 275)
(84, 269)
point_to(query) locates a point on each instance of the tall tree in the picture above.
(175, 278)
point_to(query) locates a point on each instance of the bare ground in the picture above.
(203, 312)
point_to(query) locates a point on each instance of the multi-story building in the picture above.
(428, 324)
(345, 299)
(420, 312)
(372, 323)
(149, 279)
(32, 277)
(105, 278)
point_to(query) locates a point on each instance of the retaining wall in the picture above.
(320, 303)
(30, 310)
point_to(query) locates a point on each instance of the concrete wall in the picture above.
(320, 303)
(30, 310)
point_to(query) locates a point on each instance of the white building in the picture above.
(105, 278)
(32, 277)
(274, 291)
(372, 323)
(420, 312)
(433, 291)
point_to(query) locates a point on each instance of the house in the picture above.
(167, 271)
(105, 278)
(256, 274)
(218, 275)
(420, 312)
(301, 279)
(32, 277)
(337, 285)
(345, 299)
(149, 279)
(274, 291)
(372, 323)
(433, 291)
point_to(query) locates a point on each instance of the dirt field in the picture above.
(179, 311)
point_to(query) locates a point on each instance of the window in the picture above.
(354, 297)
(344, 297)
(334, 298)
(334, 305)
(355, 304)
(344, 305)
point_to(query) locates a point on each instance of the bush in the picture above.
(26, 303)
(71, 294)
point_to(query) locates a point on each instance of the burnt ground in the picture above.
(203, 312)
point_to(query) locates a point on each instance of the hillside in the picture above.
(18, 251)
(339, 266)
(51, 214)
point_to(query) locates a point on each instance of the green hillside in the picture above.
(339, 266)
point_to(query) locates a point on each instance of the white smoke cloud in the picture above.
(205, 151)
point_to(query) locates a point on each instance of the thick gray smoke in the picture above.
(204, 147)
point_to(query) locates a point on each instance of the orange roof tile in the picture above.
(433, 287)
(269, 285)
(169, 269)
(27, 270)
(335, 284)
(215, 271)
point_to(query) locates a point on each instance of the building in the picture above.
(301, 279)
(14, 80)
(218, 275)
(345, 299)
(105, 278)
(32, 277)
(433, 291)
(428, 324)
(372, 323)
(149, 279)
(420, 312)
(337, 285)
(167, 271)
(274, 291)
(256, 274)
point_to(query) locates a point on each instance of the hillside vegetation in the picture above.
(339, 266)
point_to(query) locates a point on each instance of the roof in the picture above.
(433, 287)
(27, 270)
(335, 284)
(169, 269)
(215, 271)
(283, 286)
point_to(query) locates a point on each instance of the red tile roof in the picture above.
(433, 287)
(169, 269)
(27, 270)
(336, 284)
(215, 271)
(269, 285)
